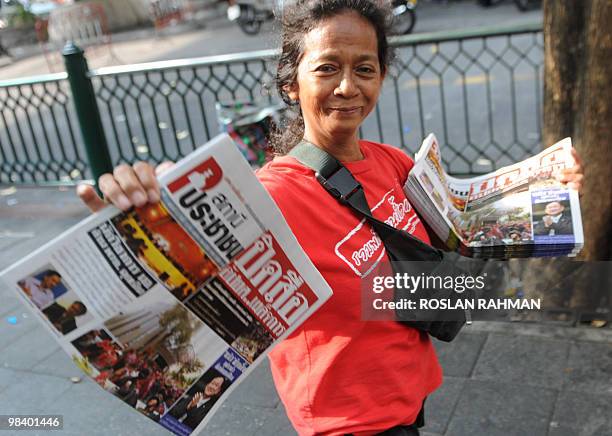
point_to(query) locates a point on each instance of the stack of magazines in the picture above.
(517, 211)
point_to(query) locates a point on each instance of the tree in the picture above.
(578, 103)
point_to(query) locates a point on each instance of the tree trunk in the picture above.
(577, 103)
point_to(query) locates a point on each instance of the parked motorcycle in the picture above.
(404, 16)
(250, 14)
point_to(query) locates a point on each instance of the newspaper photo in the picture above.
(517, 211)
(169, 306)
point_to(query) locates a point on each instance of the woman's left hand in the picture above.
(573, 176)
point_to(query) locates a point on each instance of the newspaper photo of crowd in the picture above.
(503, 222)
(135, 376)
(161, 244)
(512, 232)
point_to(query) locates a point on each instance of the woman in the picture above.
(336, 374)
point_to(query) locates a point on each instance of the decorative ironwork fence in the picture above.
(39, 136)
(479, 91)
(163, 110)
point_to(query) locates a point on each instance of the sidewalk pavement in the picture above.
(501, 379)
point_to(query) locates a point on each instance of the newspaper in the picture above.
(517, 211)
(169, 306)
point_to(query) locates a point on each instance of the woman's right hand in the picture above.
(127, 186)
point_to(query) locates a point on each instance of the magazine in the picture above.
(169, 306)
(517, 211)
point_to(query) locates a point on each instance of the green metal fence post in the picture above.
(87, 110)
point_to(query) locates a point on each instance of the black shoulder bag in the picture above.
(408, 254)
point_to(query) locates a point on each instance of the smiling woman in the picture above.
(336, 373)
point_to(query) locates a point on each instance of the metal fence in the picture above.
(479, 91)
(39, 135)
(165, 110)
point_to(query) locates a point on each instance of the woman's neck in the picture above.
(344, 149)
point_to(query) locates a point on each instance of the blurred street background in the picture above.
(208, 32)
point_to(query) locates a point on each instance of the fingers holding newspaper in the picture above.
(573, 176)
(127, 186)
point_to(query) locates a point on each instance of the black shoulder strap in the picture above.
(340, 183)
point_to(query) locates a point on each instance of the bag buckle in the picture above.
(340, 184)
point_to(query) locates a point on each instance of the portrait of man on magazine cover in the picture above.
(556, 220)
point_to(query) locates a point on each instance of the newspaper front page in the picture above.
(519, 210)
(170, 305)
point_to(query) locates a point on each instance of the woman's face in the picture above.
(339, 77)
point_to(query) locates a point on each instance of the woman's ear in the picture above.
(292, 91)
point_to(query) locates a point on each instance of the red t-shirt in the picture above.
(337, 374)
